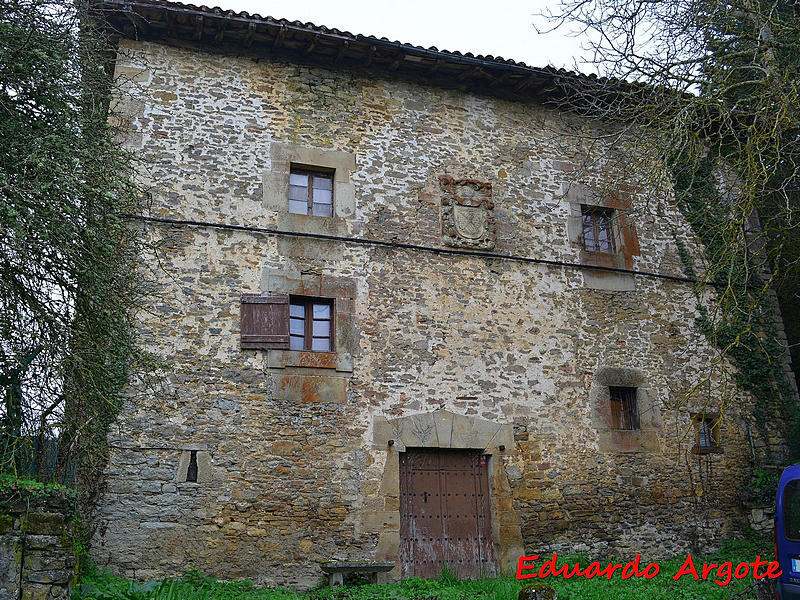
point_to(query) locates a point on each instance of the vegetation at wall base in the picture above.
(98, 585)
(14, 489)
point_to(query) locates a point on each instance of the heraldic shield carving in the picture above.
(467, 213)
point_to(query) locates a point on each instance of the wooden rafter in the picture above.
(279, 38)
(251, 30)
(170, 18)
(370, 56)
(220, 30)
(311, 46)
(342, 50)
(198, 27)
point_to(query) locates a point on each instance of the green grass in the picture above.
(194, 586)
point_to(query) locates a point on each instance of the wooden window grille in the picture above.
(311, 324)
(598, 229)
(311, 192)
(624, 413)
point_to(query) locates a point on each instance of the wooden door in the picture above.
(444, 513)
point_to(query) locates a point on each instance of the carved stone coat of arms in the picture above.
(467, 213)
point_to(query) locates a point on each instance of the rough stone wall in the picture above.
(294, 471)
(36, 555)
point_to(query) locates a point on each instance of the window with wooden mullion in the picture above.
(598, 232)
(311, 324)
(311, 193)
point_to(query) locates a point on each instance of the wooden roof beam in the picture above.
(220, 30)
(279, 38)
(138, 21)
(311, 46)
(198, 27)
(248, 39)
(342, 50)
(370, 56)
(170, 18)
(469, 72)
(502, 79)
(525, 82)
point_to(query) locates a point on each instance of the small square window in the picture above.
(624, 412)
(707, 430)
(598, 229)
(311, 192)
(310, 324)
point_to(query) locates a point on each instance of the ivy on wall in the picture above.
(741, 319)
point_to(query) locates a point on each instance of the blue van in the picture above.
(787, 532)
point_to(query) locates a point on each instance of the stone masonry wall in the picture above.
(36, 555)
(295, 467)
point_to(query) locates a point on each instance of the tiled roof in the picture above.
(242, 33)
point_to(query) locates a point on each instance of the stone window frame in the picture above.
(579, 197)
(286, 156)
(611, 440)
(204, 469)
(341, 291)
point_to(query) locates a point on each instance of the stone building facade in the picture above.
(467, 301)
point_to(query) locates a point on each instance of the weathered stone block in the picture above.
(305, 389)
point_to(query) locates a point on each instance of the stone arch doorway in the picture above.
(470, 438)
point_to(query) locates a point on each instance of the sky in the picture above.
(500, 28)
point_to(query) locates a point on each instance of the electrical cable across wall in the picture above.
(406, 246)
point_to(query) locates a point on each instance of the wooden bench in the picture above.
(337, 570)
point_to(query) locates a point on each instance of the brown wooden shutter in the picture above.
(265, 321)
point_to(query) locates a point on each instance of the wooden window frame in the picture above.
(623, 407)
(311, 173)
(308, 303)
(593, 212)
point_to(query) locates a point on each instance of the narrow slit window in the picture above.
(624, 413)
(311, 192)
(191, 471)
(311, 324)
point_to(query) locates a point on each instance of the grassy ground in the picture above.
(193, 586)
